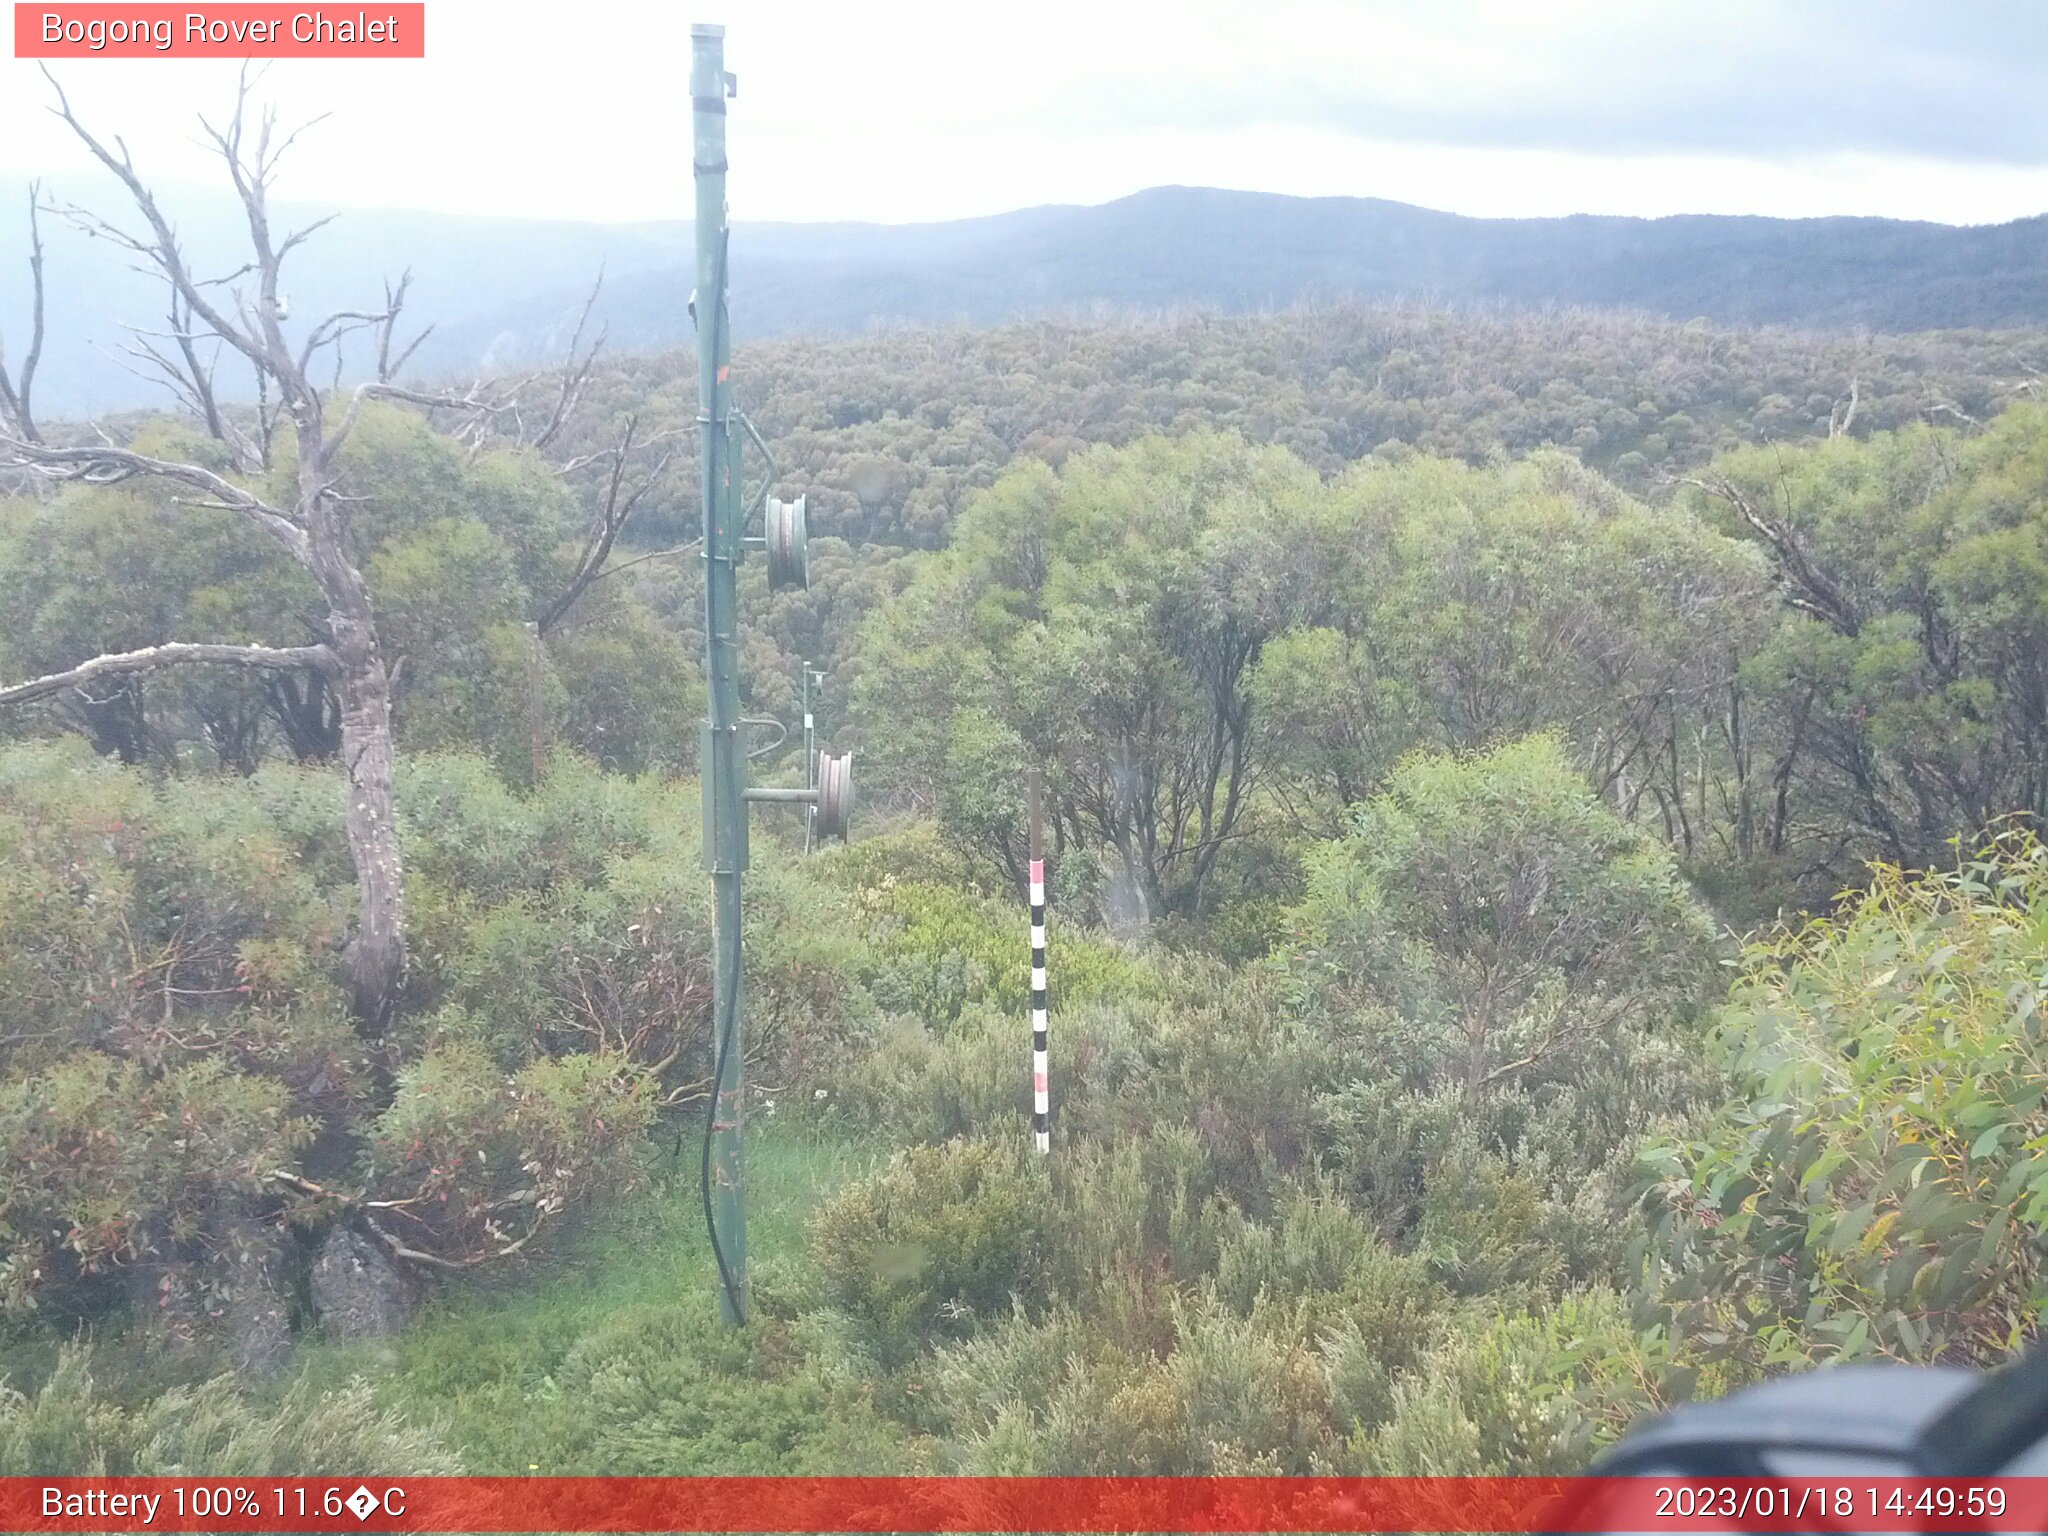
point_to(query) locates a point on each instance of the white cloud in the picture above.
(902, 110)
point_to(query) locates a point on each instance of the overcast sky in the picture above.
(895, 110)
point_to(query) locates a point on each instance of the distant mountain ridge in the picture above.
(504, 291)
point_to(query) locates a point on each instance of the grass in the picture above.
(607, 1356)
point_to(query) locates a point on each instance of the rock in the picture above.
(359, 1292)
(251, 1300)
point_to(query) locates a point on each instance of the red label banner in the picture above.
(1002, 1504)
(241, 31)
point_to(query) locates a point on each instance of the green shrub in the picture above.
(1013, 1366)
(69, 1427)
(1252, 1396)
(1505, 975)
(915, 1084)
(168, 967)
(631, 697)
(1139, 1217)
(1326, 1274)
(939, 1238)
(1228, 1395)
(939, 949)
(1518, 1395)
(465, 829)
(145, 922)
(484, 1161)
(1329, 1261)
(576, 919)
(1223, 1056)
(105, 1164)
(910, 855)
(1481, 1227)
(1875, 1187)
(1490, 925)
(681, 1396)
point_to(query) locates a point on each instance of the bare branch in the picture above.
(189, 380)
(155, 657)
(400, 1250)
(479, 409)
(93, 227)
(299, 237)
(605, 528)
(331, 330)
(268, 409)
(1813, 591)
(306, 1186)
(659, 554)
(1840, 421)
(164, 253)
(394, 305)
(104, 464)
(252, 177)
(583, 461)
(200, 374)
(172, 376)
(17, 397)
(228, 277)
(575, 373)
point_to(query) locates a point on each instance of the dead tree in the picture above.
(17, 394)
(240, 313)
(615, 506)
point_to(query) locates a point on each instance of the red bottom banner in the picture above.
(1043, 1504)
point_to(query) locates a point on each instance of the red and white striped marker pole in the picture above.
(1041, 1088)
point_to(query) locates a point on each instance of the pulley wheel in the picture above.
(835, 795)
(789, 544)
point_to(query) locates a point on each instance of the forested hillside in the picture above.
(1170, 247)
(1546, 919)
(506, 292)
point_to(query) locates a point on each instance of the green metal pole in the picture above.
(722, 762)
